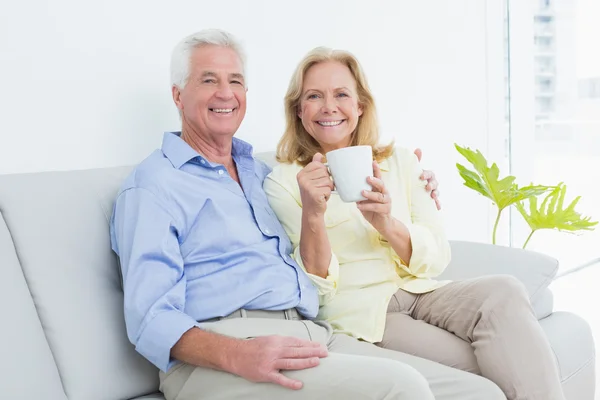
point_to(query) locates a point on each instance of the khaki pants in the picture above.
(353, 370)
(487, 327)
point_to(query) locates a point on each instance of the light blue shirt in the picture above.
(194, 245)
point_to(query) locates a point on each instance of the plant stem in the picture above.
(528, 237)
(496, 226)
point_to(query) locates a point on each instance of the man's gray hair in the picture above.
(181, 56)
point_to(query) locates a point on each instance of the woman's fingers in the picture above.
(377, 208)
(377, 184)
(376, 170)
(376, 197)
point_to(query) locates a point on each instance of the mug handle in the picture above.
(327, 165)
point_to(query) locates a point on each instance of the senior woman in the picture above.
(375, 261)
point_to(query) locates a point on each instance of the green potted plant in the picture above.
(505, 192)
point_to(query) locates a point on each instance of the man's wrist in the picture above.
(229, 355)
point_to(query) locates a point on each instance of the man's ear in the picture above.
(176, 92)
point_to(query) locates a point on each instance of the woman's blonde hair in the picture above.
(297, 145)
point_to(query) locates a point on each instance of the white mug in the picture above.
(350, 167)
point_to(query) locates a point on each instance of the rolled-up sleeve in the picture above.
(326, 287)
(430, 246)
(289, 212)
(144, 235)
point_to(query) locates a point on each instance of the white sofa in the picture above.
(62, 332)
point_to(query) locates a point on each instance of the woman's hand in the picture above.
(315, 186)
(377, 209)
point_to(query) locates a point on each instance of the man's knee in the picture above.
(482, 388)
(373, 378)
(400, 381)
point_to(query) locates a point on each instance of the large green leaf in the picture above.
(485, 180)
(552, 215)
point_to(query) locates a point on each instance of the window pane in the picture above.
(567, 119)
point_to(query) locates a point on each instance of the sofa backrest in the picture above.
(63, 333)
(267, 157)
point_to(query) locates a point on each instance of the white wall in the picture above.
(85, 84)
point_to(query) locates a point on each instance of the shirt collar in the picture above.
(179, 152)
(241, 148)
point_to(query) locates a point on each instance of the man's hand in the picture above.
(262, 359)
(432, 183)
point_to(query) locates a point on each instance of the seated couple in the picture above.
(242, 282)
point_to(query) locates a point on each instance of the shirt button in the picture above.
(267, 231)
(220, 172)
(203, 162)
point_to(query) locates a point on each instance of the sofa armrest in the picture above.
(535, 270)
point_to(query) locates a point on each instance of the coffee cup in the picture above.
(349, 168)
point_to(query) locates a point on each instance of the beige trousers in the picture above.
(353, 370)
(487, 327)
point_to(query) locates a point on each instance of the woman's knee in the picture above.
(502, 289)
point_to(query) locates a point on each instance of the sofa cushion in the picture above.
(573, 345)
(535, 270)
(59, 225)
(30, 371)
